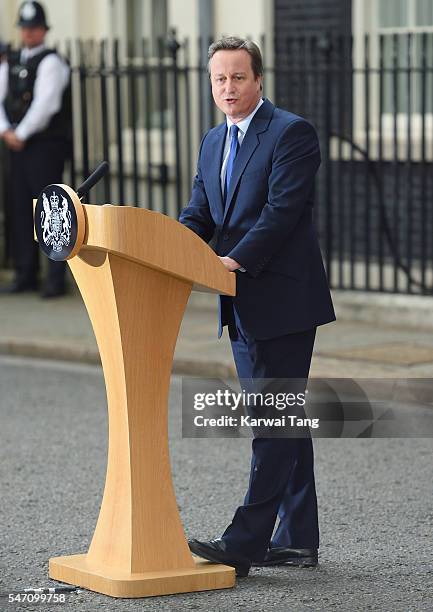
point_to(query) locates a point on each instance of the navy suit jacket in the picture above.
(267, 223)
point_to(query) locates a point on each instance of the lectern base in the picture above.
(76, 570)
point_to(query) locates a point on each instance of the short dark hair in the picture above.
(233, 43)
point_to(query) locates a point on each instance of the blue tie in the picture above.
(234, 148)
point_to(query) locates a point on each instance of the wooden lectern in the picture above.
(135, 270)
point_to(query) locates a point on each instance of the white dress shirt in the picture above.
(52, 77)
(243, 126)
(4, 71)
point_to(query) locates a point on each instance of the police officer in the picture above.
(35, 124)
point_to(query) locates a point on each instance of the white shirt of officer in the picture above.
(52, 77)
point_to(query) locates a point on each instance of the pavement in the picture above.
(375, 495)
(375, 499)
(374, 337)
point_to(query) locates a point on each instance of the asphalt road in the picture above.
(375, 500)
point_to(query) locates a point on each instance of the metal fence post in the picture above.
(173, 47)
(325, 45)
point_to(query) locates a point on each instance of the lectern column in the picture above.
(139, 546)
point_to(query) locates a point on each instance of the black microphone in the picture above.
(96, 176)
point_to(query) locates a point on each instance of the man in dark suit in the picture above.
(253, 194)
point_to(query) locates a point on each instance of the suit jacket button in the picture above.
(226, 237)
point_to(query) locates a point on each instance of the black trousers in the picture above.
(282, 468)
(40, 163)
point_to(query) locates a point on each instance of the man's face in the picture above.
(235, 89)
(32, 37)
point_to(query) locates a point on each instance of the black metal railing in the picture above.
(371, 100)
(144, 114)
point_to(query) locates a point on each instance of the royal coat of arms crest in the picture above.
(55, 222)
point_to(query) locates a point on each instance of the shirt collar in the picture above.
(244, 124)
(27, 53)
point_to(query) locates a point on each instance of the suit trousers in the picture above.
(282, 468)
(39, 164)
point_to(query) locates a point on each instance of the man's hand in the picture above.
(230, 264)
(12, 141)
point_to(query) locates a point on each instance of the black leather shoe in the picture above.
(19, 287)
(295, 557)
(216, 551)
